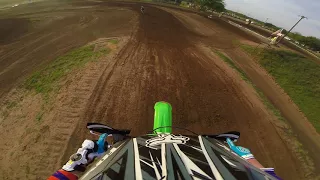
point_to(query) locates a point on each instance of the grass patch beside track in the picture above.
(288, 136)
(243, 75)
(114, 41)
(46, 79)
(11, 2)
(297, 75)
(231, 63)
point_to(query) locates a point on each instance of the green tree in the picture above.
(217, 5)
(296, 36)
(178, 2)
(310, 41)
(269, 25)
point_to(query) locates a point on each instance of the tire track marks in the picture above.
(162, 62)
(65, 120)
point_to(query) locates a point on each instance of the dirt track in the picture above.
(167, 57)
(162, 62)
(33, 38)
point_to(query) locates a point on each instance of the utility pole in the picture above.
(265, 22)
(302, 17)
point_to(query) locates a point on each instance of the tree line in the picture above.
(203, 5)
(311, 42)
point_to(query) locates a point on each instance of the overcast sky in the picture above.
(283, 13)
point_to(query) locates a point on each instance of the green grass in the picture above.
(144, 0)
(243, 75)
(46, 79)
(298, 76)
(114, 41)
(11, 104)
(39, 116)
(10, 2)
(234, 66)
(184, 4)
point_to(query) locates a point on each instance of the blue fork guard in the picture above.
(101, 143)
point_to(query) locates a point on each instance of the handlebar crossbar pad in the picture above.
(101, 128)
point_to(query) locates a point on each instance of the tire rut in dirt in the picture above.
(160, 63)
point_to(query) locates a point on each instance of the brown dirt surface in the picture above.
(162, 62)
(305, 131)
(299, 123)
(163, 55)
(33, 42)
(42, 141)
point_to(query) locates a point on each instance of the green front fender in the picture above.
(162, 117)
